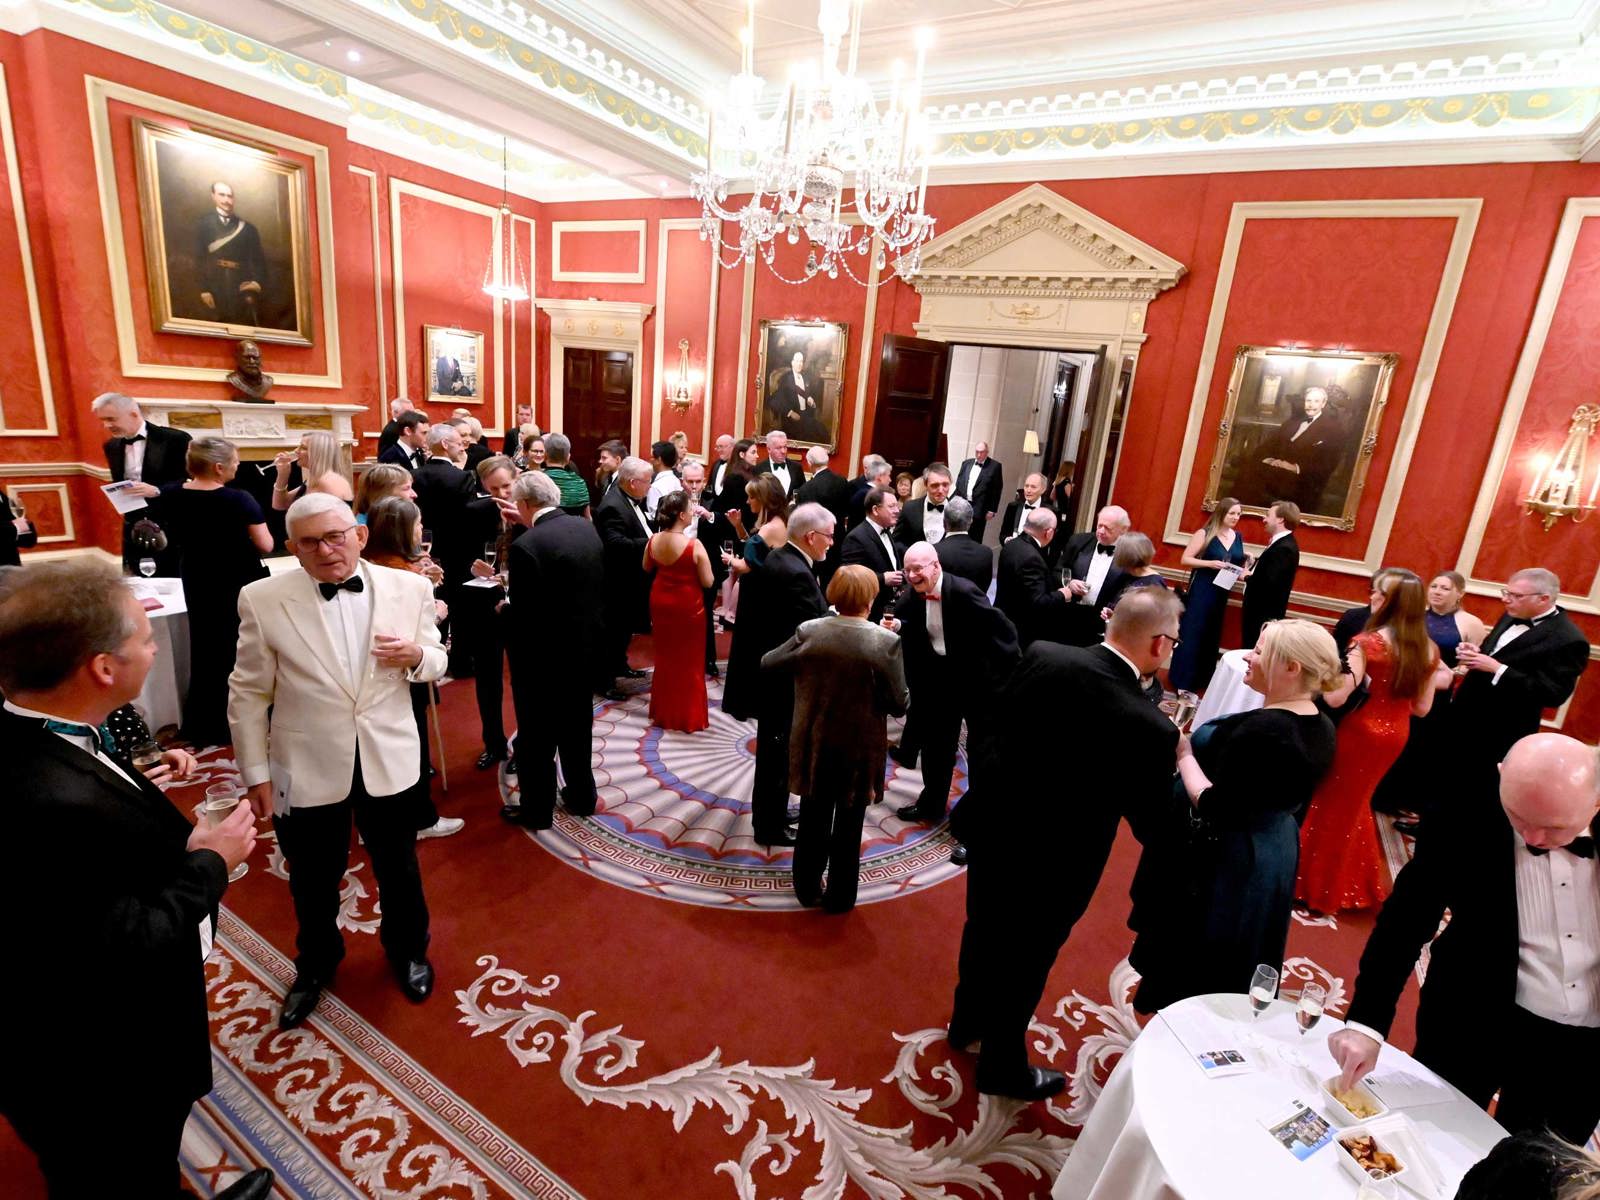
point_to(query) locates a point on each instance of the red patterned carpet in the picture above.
(631, 1006)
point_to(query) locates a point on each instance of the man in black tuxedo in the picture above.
(788, 595)
(1295, 461)
(871, 544)
(129, 891)
(1089, 573)
(1031, 499)
(398, 407)
(513, 443)
(959, 651)
(1512, 997)
(922, 519)
(831, 490)
(410, 448)
(1530, 661)
(960, 553)
(150, 455)
(777, 463)
(557, 588)
(16, 534)
(717, 474)
(875, 473)
(480, 618)
(443, 491)
(1018, 836)
(1266, 595)
(1023, 588)
(624, 527)
(978, 482)
(711, 529)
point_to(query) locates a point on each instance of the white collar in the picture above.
(776, 463)
(316, 584)
(1124, 658)
(223, 215)
(810, 562)
(1285, 533)
(1033, 539)
(143, 431)
(44, 716)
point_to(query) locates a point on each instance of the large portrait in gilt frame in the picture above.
(1300, 425)
(455, 364)
(802, 380)
(226, 236)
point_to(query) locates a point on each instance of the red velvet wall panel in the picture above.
(685, 310)
(610, 252)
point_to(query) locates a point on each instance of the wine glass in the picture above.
(490, 551)
(1184, 710)
(147, 567)
(146, 755)
(221, 799)
(1309, 1009)
(1263, 988)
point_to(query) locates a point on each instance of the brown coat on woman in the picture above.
(848, 677)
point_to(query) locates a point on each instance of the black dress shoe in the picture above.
(416, 978)
(297, 1005)
(253, 1185)
(961, 1041)
(521, 814)
(958, 854)
(1409, 827)
(634, 673)
(614, 694)
(913, 812)
(713, 671)
(581, 808)
(1036, 1083)
(783, 837)
(489, 758)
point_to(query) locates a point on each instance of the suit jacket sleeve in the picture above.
(425, 633)
(783, 657)
(1546, 680)
(1406, 923)
(251, 688)
(162, 921)
(893, 695)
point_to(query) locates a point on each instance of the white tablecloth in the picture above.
(1227, 693)
(1162, 1130)
(161, 701)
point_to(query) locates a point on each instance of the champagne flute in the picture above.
(1263, 988)
(490, 551)
(221, 799)
(146, 755)
(1309, 1009)
(147, 567)
(1188, 702)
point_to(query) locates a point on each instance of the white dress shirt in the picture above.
(888, 545)
(348, 620)
(934, 604)
(91, 747)
(133, 454)
(932, 525)
(1511, 634)
(718, 474)
(1022, 516)
(781, 470)
(1558, 928)
(662, 486)
(972, 479)
(1099, 568)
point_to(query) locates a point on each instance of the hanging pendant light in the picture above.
(502, 276)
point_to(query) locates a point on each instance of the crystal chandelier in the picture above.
(823, 136)
(502, 275)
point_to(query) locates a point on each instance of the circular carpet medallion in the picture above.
(673, 818)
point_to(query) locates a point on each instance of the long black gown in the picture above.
(218, 559)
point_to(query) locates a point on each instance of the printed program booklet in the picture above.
(1300, 1130)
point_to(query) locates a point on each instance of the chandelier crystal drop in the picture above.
(821, 150)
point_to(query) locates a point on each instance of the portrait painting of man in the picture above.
(802, 376)
(225, 228)
(454, 363)
(1300, 425)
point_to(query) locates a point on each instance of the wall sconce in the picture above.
(1030, 442)
(1556, 481)
(679, 390)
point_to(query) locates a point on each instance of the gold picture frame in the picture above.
(1278, 441)
(823, 346)
(453, 363)
(248, 276)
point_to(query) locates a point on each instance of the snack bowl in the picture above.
(1343, 1141)
(1361, 1093)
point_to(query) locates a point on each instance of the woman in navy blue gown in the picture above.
(1215, 546)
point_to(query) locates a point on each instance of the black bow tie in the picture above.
(1583, 847)
(1099, 549)
(128, 441)
(1525, 622)
(935, 508)
(330, 590)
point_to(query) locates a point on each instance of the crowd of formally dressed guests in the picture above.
(851, 601)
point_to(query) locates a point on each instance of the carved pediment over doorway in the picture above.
(1038, 245)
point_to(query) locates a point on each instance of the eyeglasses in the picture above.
(331, 540)
(1171, 637)
(1508, 594)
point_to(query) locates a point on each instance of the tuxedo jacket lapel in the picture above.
(90, 764)
(300, 610)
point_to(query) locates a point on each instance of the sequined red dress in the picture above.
(1341, 861)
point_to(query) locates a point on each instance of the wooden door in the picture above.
(596, 401)
(908, 429)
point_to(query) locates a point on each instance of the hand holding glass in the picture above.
(221, 799)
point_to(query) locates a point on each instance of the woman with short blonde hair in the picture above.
(378, 481)
(852, 590)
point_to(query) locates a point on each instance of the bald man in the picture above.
(1087, 570)
(1512, 998)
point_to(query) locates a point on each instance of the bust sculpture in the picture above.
(246, 379)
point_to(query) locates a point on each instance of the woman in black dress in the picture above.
(1213, 892)
(223, 533)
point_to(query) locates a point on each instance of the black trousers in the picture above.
(939, 732)
(554, 718)
(712, 593)
(769, 798)
(423, 811)
(316, 846)
(1546, 1082)
(829, 840)
(484, 629)
(133, 1154)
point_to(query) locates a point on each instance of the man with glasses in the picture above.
(1530, 662)
(320, 708)
(1040, 844)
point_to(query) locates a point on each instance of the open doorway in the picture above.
(1036, 410)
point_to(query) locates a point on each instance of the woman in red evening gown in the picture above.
(1341, 860)
(678, 618)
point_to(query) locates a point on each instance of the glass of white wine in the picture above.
(221, 799)
(1188, 702)
(1263, 989)
(1308, 1011)
(147, 567)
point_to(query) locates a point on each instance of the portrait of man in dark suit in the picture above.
(802, 368)
(226, 236)
(454, 359)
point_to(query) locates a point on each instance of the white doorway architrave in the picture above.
(1038, 270)
(595, 325)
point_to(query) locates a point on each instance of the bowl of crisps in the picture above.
(1365, 1154)
(1354, 1105)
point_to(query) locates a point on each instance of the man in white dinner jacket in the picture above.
(320, 707)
